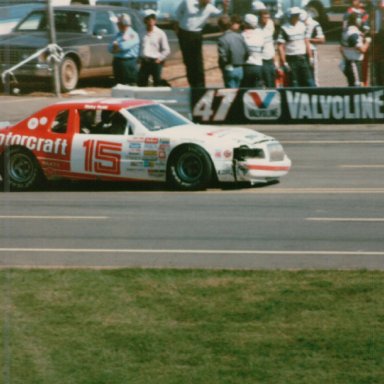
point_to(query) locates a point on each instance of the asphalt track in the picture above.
(328, 213)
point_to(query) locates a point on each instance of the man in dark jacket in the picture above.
(232, 51)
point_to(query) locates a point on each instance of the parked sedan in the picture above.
(125, 139)
(10, 15)
(83, 33)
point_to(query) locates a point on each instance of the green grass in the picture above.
(175, 326)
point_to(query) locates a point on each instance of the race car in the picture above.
(130, 139)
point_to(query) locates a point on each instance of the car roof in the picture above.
(105, 103)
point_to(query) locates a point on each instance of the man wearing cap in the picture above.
(294, 50)
(154, 50)
(254, 39)
(125, 49)
(191, 16)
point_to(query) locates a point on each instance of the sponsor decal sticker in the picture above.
(367, 105)
(262, 105)
(33, 123)
(58, 146)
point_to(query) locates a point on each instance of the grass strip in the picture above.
(178, 326)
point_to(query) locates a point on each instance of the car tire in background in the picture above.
(20, 170)
(69, 74)
(189, 169)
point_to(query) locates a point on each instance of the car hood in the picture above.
(36, 40)
(210, 133)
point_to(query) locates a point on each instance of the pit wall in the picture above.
(275, 106)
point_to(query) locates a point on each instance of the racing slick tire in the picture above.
(189, 169)
(69, 75)
(20, 170)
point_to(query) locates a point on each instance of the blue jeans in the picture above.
(233, 77)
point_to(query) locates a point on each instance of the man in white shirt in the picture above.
(154, 50)
(191, 16)
(315, 36)
(294, 49)
(254, 39)
(269, 52)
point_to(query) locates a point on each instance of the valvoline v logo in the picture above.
(262, 104)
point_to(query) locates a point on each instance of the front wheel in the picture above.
(20, 170)
(190, 169)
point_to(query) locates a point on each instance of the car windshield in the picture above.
(156, 117)
(65, 21)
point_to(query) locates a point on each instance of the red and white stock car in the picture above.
(122, 140)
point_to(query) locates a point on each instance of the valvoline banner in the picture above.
(288, 105)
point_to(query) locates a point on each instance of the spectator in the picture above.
(154, 50)
(316, 36)
(232, 51)
(353, 47)
(125, 49)
(254, 39)
(294, 50)
(363, 24)
(362, 16)
(269, 52)
(191, 16)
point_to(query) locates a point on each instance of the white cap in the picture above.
(124, 19)
(294, 11)
(251, 20)
(258, 5)
(149, 12)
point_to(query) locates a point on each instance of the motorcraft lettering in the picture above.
(367, 105)
(57, 146)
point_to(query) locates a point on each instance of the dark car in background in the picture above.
(10, 15)
(82, 32)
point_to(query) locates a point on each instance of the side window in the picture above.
(102, 122)
(60, 123)
(103, 24)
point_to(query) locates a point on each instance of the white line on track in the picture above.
(362, 166)
(191, 251)
(332, 141)
(320, 191)
(347, 219)
(11, 217)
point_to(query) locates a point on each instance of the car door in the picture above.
(103, 29)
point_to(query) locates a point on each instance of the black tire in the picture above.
(20, 170)
(69, 75)
(189, 169)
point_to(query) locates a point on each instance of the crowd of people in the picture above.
(252, 50)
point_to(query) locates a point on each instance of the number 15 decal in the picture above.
(204, 107)
(102, 157)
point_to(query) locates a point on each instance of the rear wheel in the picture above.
(69, 74)
(189, 169)
(20, 170)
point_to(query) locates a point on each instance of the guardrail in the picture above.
(274, 106)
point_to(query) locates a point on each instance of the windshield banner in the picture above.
(288, 105)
